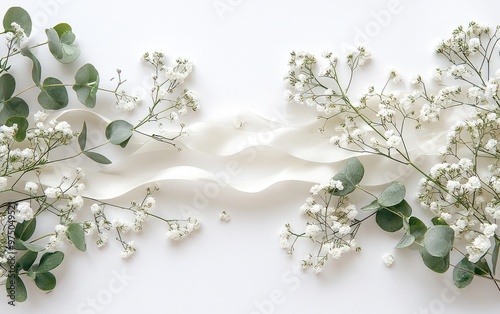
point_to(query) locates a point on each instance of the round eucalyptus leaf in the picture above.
(63, 30)
(76, 235)
(27, 260)
(19, 16)
(346, 183)
(438, 240)
(14, 107)
(437, 264)
(392, 195)
(87, 85)
(70, 53)
(119, 131)
(7, 86)
(417, 229)
(21, 294)
(25, 229)
(45, 281)
(353, 170)
(55, 46)
(53, 94)
(60, 40)
(388, 221)
(22, 127)
(463, 273)
(49, 261)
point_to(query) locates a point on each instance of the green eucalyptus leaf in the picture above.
(76, 235)
(481, 267)
(82, 138)
(463, 273)
(70, 53)
(388, 221)
(437, 264)
(350, 175)
(392, 195)
(32, 272)
(97, 158)
(25, 229)
(402, 208)
(119, 131)
(19, 16)
(23, 245)
(27, 260)
(353, 170)
(346, 183)
(22, 127)
(20, 292)
(60, 40)
(45, 281)
(63, 28)
(372, 206)
(405, 241)
(438, 240)
(53, 94)
(36, 72)
(14, 107)
(87, 85)
(7, 86)
(55, 46)
(124, 144)
(494, 254)
(438, 221)
(49, 261)
(417, 229)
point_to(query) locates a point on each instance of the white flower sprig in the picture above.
(33, 146)
(331, 225)
(462, 191)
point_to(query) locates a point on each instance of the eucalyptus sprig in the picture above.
(31, 142)
(462, 192)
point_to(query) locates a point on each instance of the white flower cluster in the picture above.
(331, 228)
(304, 88)
(17, 36)
(463, 193)
(44, 137)
(224, 216)
(177, 230)
(126, 102)
(465, 40)
(101, 225)
(173, 76)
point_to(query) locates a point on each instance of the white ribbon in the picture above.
(250, 159)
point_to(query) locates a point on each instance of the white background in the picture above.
(240, 49)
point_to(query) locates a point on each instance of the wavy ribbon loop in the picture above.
(250, 159)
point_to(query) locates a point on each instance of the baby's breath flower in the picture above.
(388, 259)
(224, 216)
